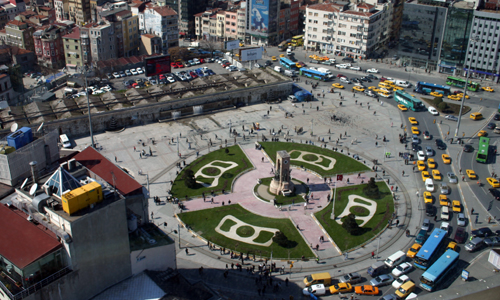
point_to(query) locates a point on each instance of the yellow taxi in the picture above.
(384, 94)
(372, 88)
(241, 44)
(388, 82)
(436, 94)
(454, 97)
(337, 85)
(452, 246)
(425, 175)
(375, 90)
(413, 121)
(274, 58)
(471, 174)
(385, 90)
(402, 107)
(298, 65)
(446, 158)
(443, 200)
(397, 88)
(358, 88)
(487, 89)
(456, 207)
(431, 163)
(436, 175)
(428, 197)
(415, 130)
(282, 55)
(493, 182)
(421, 165)
(460, 95)
(313, 56)
(482, 133)
(413, 250)
(341, 287)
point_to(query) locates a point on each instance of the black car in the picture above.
(372, 77)
(366, 79)
(429, 210)
(468, 148)
(491, 126)
(356, 80)
(440, 144)
(482, 232)
(268, 63)
(415, 147)
(496, 117)
(349, 59)
(495, 193)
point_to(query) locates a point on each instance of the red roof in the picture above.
(23, 242)
(75, 35)
(105, 169)
(165, 11)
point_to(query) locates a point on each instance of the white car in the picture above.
(461, 219)
(342, 66)
(116, 75)
(372, 70)
(140, 70)
(133, 71)
(355, 68)
(445, 226)
(429, 151)
(170, 79)
(98, 92)
(316, 289)
(429, 185)
(433, 111)
(128, 73)
(426, 225)
(421, 155)
(399, 281)
(106, 88)
(402, 269)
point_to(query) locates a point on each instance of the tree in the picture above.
(437, 101)
(178, 53)
(189, 179)
(371, 189)
(350, 225)
(443, 106)
(281, 239)
(210, 46)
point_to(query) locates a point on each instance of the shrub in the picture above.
(281, 239)
(189, 179)
(442, 106)
(437, 101)
(371, 189)
(350, 225)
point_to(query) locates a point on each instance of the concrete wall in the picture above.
(100, 255)
(155, 259)
(144, 114)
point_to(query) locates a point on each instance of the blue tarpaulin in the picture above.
(53, 77)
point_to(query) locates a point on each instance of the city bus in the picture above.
(285, 62)
(282, 46)
(297, 40)
(483, 150)
(427, 88)
(408, 100)
(428, 252)
(459, 82)
(439, 270)
(314, 74)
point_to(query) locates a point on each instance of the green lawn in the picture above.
(283, 200)
(343, 164)
(385, 208)
(204, 222)
(180, 190)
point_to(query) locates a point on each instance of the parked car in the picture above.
(351, 278)
(482, 232)
(382, 280)
(492, 241)
(460, 235)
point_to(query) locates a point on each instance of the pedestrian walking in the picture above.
(373, 254)
(472, 211)
(187, 251)
(403, 173)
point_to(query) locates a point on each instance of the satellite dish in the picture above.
(33, 189)
(40, 127)
(24, 183)
(14, 127)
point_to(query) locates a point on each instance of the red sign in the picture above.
(340, 177)
(157, 65)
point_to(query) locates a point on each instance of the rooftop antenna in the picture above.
(14, 127)
(40, 127)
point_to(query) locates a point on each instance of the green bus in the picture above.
(459, 82)
(408, 100)
(482, 151)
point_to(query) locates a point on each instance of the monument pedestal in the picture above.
(277, 187)
(282, 179)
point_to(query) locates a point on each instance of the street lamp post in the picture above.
(473, 39)
(84, 73)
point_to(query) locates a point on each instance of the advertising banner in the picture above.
(157, 65)
(230, 45)
(259, 16)
(251, 54)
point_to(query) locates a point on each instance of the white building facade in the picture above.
(162, 21)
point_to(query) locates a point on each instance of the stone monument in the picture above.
(282, 182)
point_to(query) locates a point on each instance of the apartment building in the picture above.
(162, 21)
(126, 28)
(241, 21)
(79, 11)
(262, 22)
(4, 18)
(102, 39)
(288, 19)
(6, 91)
(186, 11)
(62, 9)
(203, 24)
(220, 25)
(231, 27)
(49, 46)
(150, 45)
(345, 28)
(12, 8)
(20, 34)
(137, 8)
(73, 50)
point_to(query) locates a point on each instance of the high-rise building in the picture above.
(162, 21)
(79, 11)
(262, 22)
(186, 9)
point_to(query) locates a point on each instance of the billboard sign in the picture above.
(251, 54)
(230, 45)
(157, 65)
(259, 16)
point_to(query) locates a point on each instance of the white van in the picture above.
(403, 83)
(290, 73)
(289, 52)
(277, 69)
(395, 259)
(65, 141)
(445, 213)
(324, 70)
